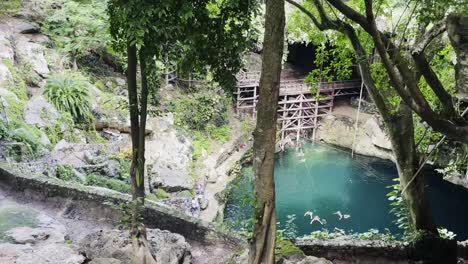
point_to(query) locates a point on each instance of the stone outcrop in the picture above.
(42, 243)
(165, 246)
(169, 154)
(40, 112)
(371, 139)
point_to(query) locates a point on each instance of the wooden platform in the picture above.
(299, 109)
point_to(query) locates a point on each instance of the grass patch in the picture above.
(113, 184)
(221, 134)
(200, 143)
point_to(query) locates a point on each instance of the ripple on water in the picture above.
(324, 180)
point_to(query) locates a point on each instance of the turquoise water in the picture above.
(326, 180)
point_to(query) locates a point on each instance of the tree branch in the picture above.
(348, 30)
(406, 85)
(319, 25)
(426, 39)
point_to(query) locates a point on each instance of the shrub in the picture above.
(62, 129)
(286, 248)
(221, 134)
(3, 131)
(199, 143)
(7, 6)
(248, 126)
(64, 172)
(195, 112)
(28, 135)
(158, 194)
(69, 92)
(101, 181)
(78, 27)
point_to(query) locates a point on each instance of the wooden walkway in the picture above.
(299, 109)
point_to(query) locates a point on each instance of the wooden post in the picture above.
(254, 101)
(285, 99)
(299, 121)
(315, 121)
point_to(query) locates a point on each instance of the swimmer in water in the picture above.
(316, 219)
(341, 216)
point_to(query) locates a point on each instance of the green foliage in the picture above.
(3, 131)
(424, 136)
(247, 126)
(69, 92)
(197, 110)
(78, 27)
(29, 135)
(399, 209)
(8, 6)
(65, 172)
(442, 64)
(374, 234)
(332, 63)
(221, 134)
(446, 234)
(15, 108)
(200, 143)
(200, 33)
(101, 181)
(382, 83)
(158, 194)
(290, 228)
(435, 10)
(127, 209)
(62, 129)
(371, 235)
(19, 85)
(284, 248)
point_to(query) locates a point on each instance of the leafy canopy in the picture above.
(200, 36)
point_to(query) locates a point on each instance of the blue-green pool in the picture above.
(325, 180)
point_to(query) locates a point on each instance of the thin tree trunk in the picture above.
(134, 115)
(262, 244)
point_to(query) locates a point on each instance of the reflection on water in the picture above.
(325, 180)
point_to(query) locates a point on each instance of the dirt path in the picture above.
(219, 177)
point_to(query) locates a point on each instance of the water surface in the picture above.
(325, 180)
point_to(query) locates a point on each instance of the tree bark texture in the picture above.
(401, 132)
(457, 29)
(262, 244)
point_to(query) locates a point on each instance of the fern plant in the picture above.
(69, 92)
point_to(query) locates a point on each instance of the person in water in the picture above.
(314, 218)
(317, 219)
(341, 216)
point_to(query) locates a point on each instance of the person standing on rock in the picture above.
(195, 208)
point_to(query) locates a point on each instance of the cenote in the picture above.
(326, 180)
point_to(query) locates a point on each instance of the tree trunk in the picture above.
(134, 119)
(262, 244)
(141, 252)
(401, 132)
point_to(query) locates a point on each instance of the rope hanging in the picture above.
(356, 125)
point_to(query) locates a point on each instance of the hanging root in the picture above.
(141, 250)
(263, 246)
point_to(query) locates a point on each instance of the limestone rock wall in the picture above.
(371, 139)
